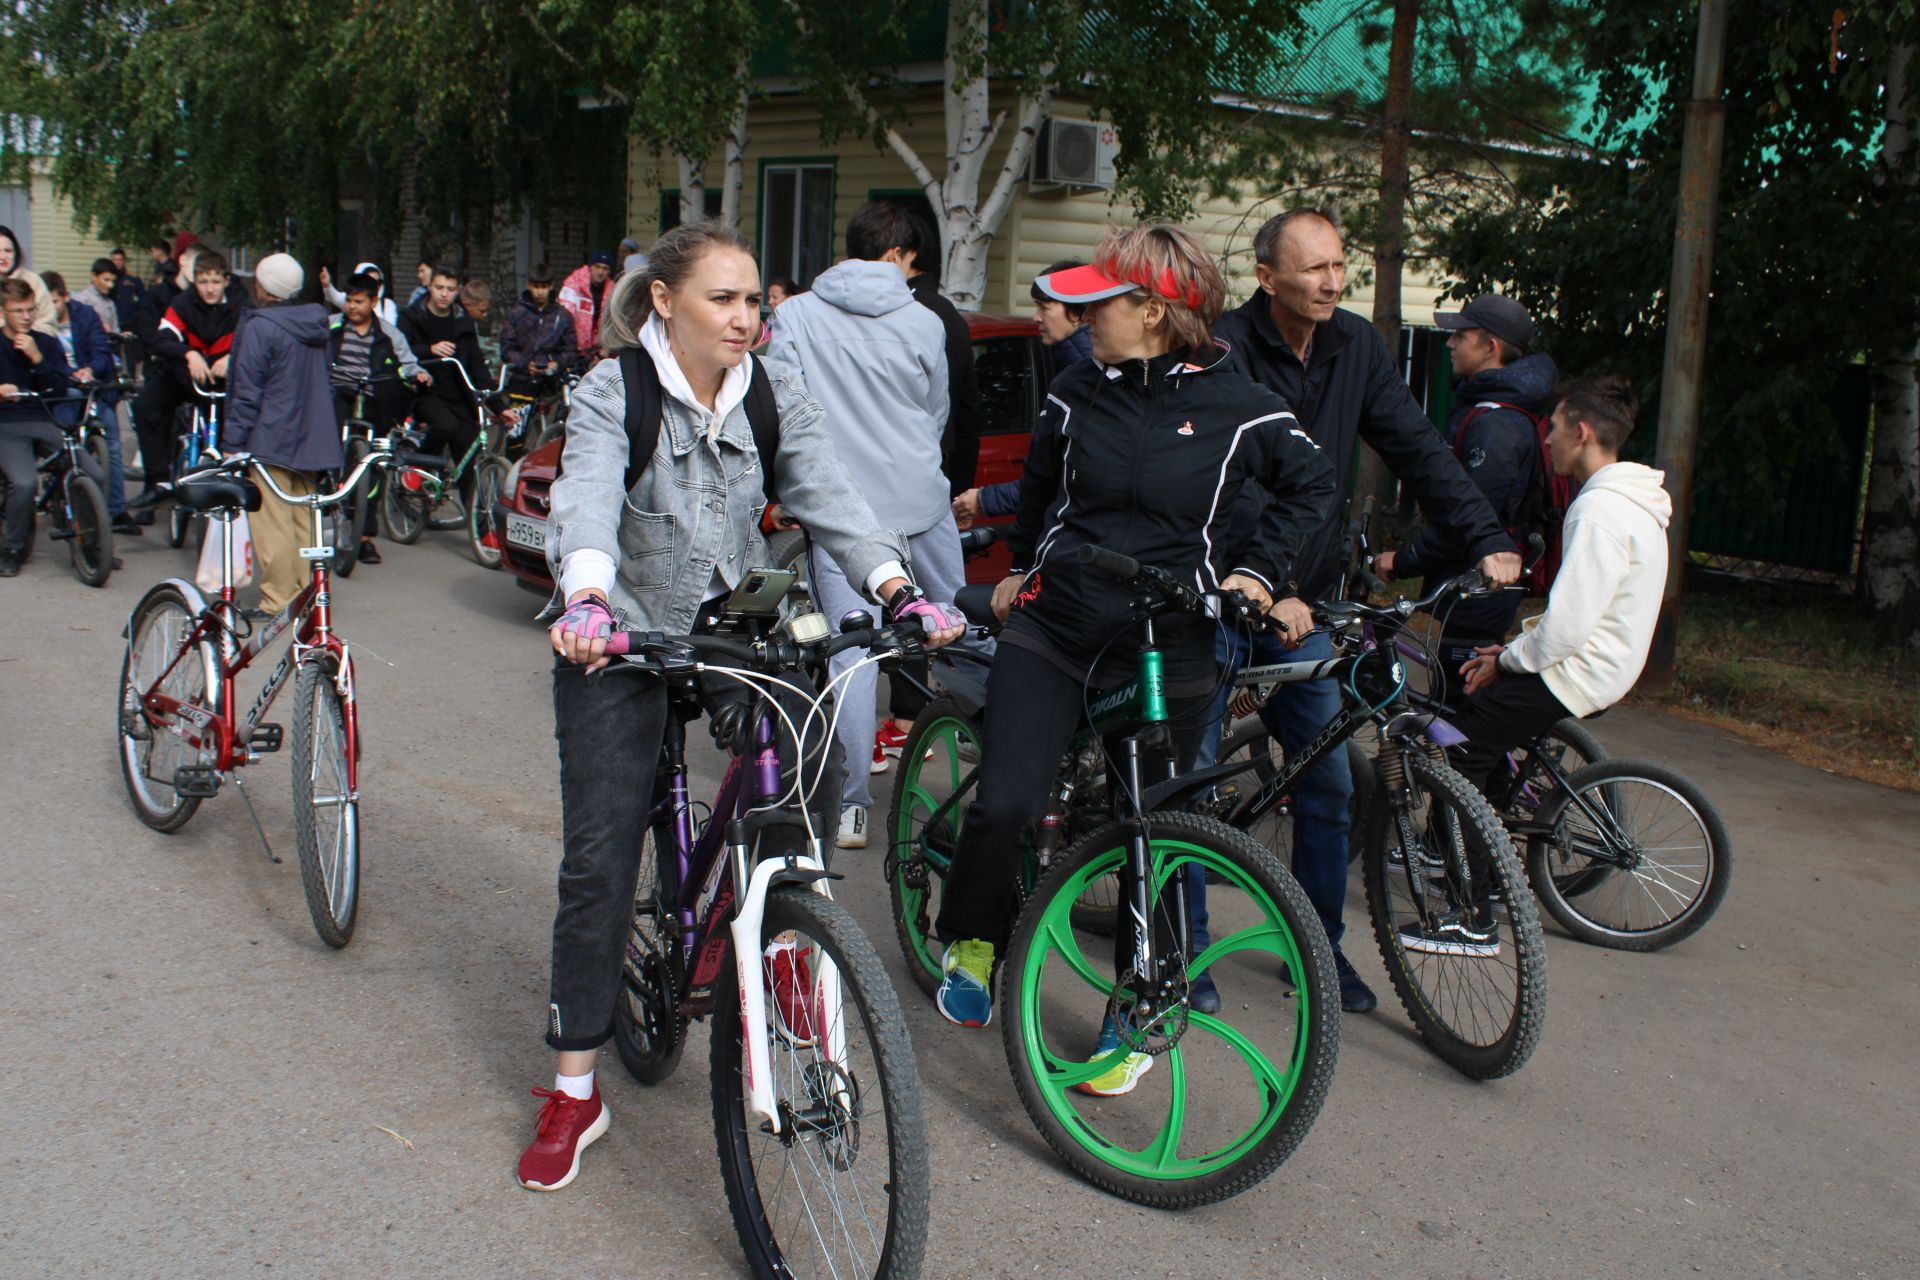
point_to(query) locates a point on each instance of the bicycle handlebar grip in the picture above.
(978, 538)
(430, 461)
(1101, 560)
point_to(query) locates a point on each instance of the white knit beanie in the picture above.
(279, 275)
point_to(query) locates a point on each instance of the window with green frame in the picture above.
(796, 218)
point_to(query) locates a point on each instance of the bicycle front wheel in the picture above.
(1227, 1097)
(932, 787)
(1455, 921)
(483, 532)
(1635, 857)
(326, 812)
(158, 659)
(842, 1189)
(92, 544)
(403, 510)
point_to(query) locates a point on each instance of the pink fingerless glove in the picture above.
(588, 618)
(933, 615)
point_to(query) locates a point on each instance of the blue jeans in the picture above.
(116, 477)
(1294, 715)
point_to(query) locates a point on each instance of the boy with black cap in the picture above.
(1502, 395)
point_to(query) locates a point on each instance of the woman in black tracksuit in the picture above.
(1141, 450)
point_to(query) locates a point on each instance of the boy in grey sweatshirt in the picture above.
(876, 361)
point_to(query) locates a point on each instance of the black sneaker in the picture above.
(1355, 995)
(125, 524)
(368, 553)
(9, 564)
(151, 498)
(1453, 934)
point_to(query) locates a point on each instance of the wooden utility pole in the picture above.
(1371, 478)
(1687, 297)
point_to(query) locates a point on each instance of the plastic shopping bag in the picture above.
(208, 574)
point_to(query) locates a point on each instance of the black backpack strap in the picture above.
(764, 417)
(645, 403)
(642, 383)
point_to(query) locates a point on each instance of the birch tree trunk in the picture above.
(1891, 555)
(733, 175)
(967, 221)
(693, 187)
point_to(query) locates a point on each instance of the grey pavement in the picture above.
(196, 1086)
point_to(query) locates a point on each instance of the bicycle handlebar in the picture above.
(380, 454)
(772, 654)
(1176, 595)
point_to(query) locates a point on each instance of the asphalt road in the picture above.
(196, 1086)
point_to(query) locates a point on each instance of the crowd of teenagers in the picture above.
(1216, 444)
(176, 333)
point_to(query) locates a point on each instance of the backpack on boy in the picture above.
(1544, 510)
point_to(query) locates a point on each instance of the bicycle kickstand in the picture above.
(247, 800)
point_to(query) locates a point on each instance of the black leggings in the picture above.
(1033, 708)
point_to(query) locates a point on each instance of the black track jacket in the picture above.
(1350, 385)
(1149, 459)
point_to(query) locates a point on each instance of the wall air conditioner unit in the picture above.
(1073, 153)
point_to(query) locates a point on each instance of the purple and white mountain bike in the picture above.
(816, 1096)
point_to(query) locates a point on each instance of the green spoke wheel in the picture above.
(1228, 1097)
(932, 786)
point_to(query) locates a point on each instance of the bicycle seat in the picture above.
(220, 494)
(976, 601)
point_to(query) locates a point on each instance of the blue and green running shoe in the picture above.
(965, 997)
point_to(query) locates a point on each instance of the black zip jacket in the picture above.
(1149, 459)
(1501, 452)
(188, 324)
(960, 437)
(1350, 386)
(421, 328)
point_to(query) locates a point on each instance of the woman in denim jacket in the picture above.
(647, 559)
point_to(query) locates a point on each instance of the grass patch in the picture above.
(1800, 671)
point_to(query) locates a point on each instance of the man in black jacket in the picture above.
(1494, 433)
(1334, 372)
(437, 329)
(960, 438)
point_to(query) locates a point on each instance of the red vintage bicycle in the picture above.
(181, 731)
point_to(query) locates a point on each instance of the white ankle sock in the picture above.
(580, 1087)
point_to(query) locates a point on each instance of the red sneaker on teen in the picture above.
(568, 1126)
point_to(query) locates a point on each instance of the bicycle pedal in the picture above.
(60, 535)
(196, 781)
(266, 737)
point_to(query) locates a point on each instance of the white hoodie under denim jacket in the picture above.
(691, 525)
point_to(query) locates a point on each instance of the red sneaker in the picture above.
(567, 1127)
(790, 984)
(888, 738)
(881, 761)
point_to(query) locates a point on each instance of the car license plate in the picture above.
(524, 531)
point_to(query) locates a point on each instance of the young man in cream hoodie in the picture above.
(1585, 652)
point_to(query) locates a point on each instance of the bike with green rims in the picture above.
(1237, 1093)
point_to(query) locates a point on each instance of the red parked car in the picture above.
(1011, 365)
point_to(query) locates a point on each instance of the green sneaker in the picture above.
(1123, 1075)
(965, 997)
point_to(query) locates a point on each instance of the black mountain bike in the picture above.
(74, 495)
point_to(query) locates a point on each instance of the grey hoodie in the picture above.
(876, 362)
(279, 402)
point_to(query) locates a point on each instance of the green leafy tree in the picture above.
(1152, 70)
(1818, 201)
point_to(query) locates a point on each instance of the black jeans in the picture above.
(1506, 714)
(1033, 708)
(452, 425)
(609, 729)
(168, 386)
